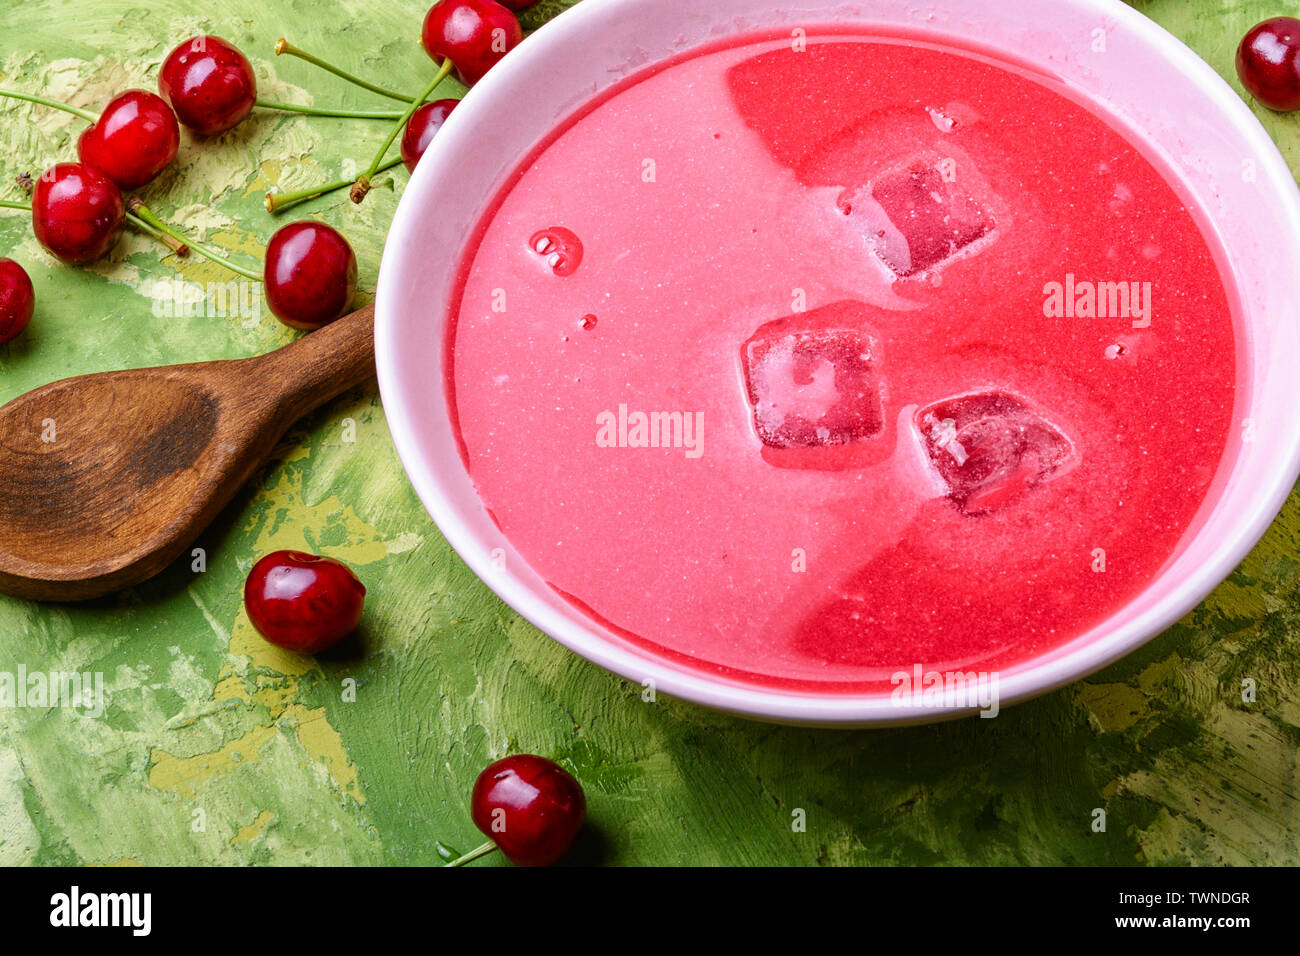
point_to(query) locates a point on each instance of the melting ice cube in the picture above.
(917, 217)
(990, 448)
(812, 386)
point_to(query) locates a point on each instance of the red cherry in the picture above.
(209, 84)
(531, 807)
(134, 139)
(17, 300)
(77, 212)
(518, 6)
(1268, 62)
(421, 128)
(303, 602)
(311, 274)
(476, 34)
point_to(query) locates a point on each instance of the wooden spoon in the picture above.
(106, 479)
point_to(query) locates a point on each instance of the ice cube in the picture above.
(917, 217)
(990, 448)
(812, 386)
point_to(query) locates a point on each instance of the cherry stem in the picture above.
(180, 248)
(329, 111)
(53, 104)
(284, 46)
(278, 202)
(473, 854)
(363, 184)
(144, 212)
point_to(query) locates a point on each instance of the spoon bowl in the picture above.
(106, 479)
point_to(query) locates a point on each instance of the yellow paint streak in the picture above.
(183, 722)
(324, 744)
(254, 829)
(272, 693)
(240, 240)
(268, 175)
(1115, 707)
(1244, 821)
(1233, 601)
(182, 774)
(364, 543)
(295, 448)
(231, 688)
(270, 679)
(1158, 673)
(319, 740)
(246, 642)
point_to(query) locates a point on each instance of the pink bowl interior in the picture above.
(1147, 79)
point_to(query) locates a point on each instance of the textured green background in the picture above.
(204, 716)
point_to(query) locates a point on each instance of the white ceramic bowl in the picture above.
(1146, 77)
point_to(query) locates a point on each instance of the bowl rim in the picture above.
(1031, 677)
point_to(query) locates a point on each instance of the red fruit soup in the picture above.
(877, 354)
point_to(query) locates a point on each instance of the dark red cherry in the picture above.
(518, 6)
(531, 807)
(303, 602)
(17, 300)
(209, 84)
(311, 274)
(77, 212)
(476, 34)
(422, 127)
(1268, 62)
(134, 139)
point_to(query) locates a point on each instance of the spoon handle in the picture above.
(317, 367)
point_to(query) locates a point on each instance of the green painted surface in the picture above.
(216, 748)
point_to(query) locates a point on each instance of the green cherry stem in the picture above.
(53, 104)
(178, 247)
(181, 249)
(473, 854)
(264, 104)
(330, 111)
(278, 202)
(362, 185)
(283, 46)
(144, 212)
